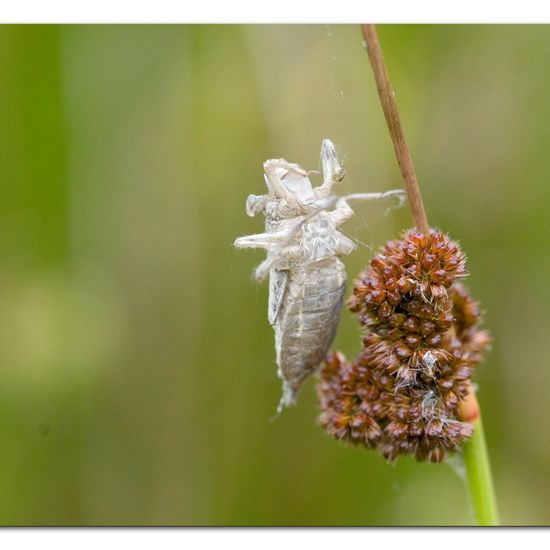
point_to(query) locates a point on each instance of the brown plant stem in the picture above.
(389, 106)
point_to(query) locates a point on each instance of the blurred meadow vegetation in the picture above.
(137, 363)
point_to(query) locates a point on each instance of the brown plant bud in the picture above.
(420, 346)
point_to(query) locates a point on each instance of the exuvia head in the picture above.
(288, 181)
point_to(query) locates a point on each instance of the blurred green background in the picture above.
(137, 363)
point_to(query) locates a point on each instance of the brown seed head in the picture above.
(421, 344)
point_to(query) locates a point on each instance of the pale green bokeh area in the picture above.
(138, 374)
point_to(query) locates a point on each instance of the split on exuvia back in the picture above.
(307, 280)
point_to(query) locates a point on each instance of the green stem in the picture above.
(480, 479)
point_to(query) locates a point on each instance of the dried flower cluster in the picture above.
(422, 341)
